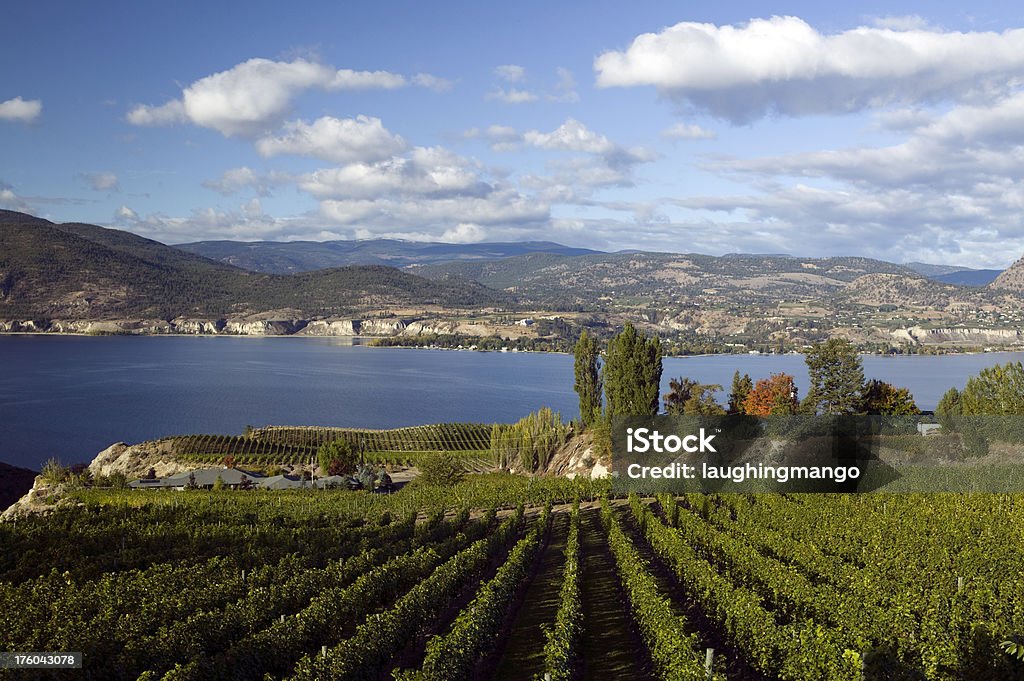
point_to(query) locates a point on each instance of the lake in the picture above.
(71, 396)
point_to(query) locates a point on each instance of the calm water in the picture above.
(71, 397)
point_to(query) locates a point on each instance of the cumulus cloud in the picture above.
(101, 181)
(510, 73)
(573, 135)
(20, 110)
(688, 131)
(783, 65)
(946, 193)
(512, 95)
(252, 97)
(236, 179)
(431, 82)
(342, 140)
(428, 193)
(247, 223)
(427, 171)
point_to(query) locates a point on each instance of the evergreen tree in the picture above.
(588, 378)
(948, 410)
(837, 378)
(680, 391)
(741, 387)
(632, 374)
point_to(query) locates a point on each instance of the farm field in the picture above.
(505, 577)
(275, 445)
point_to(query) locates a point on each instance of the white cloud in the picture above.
(347, 79)
(102, 181)
(237, 179)
(432, 82)
(342, 140)
(783, 65)
(428, 171)
(570, 136)
(125, 214)
(510, 73)
(512, 96)
(165, 114)
(11, 201)
(575, 136)
(20, 110)
(252, 97)
(565, 88)
(688, 131)
(247, 223)
(464, 233)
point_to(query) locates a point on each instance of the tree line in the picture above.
(625, 381)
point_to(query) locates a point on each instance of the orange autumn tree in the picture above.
(772, 396)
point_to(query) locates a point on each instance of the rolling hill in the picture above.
(77, 271)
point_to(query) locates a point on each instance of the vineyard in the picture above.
(290, 445)
(508, 577)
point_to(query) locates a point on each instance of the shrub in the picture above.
(442, 469)
(336, 458)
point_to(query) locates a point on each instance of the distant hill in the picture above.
(1011, 279)
(664, 278)
(969, 277)
(78, 271)
(955, 274)
(14, 484)
(305, 256)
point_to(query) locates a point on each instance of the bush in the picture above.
(336, 458)
(442, 469)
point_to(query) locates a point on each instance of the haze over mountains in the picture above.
(277, 257)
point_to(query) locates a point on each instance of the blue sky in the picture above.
(891, 130)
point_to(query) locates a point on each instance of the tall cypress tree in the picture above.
(588, 378)
(837, 378)
(632, 374)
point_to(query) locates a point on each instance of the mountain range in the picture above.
(76, 271)
(275, 257)
(79, 271)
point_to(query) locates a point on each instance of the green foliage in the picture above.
(632, 374)
(741, 387)
(588, 378)
(881, 398)
(561, 647)
(337, 457)
(442, 469)
(948, 409)
(837, 378)
(702, 401)
(218, 484)
(531, 442)
(55, 473)
(453, 656)
(675, 653)
(679, 392)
